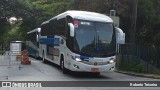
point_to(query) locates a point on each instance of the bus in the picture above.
(32, 44)
(79, 41)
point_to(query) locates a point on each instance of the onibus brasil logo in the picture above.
(21, 84)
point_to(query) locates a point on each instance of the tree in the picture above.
(148, 21)
(46, 9)
(133, 28)
(34, 12)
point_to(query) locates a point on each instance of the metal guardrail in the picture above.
(8, 58)
(134, 54)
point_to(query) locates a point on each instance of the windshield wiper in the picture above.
(98, 48)
(95, 46)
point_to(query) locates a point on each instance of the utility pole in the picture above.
(132, 32)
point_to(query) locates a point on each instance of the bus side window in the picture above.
(45, 29)
(58, 26)
(32, 38)
(69, 39)
(53, 27)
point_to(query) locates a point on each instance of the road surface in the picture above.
(39, 71)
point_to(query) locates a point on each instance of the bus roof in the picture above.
(83, 15)
(34, 30)
(16, 41)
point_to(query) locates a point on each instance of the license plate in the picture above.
(96, 60)
(94, 69)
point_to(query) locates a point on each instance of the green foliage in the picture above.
(157, 40)
(148, 22)
(133, 67)
(34, 12)
(13, 33)
(46, 9)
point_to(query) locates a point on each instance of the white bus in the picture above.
(32, 44)
(78, 41)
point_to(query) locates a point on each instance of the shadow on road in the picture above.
(80, 75)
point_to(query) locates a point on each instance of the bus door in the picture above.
(56, 49)
(50, 47)
(53, 48)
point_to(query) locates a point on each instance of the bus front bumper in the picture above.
(82, 67)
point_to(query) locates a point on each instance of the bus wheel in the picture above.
(64, 70)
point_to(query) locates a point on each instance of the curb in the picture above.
(140, 74)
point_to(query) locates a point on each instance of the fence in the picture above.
(8, 58)
(139, 57)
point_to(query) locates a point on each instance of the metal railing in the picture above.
(8, 58)
(148, 57)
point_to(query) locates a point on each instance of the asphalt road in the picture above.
(39, 71)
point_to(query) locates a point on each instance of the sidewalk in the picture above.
(155, 76)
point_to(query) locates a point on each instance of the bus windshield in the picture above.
(94, 38)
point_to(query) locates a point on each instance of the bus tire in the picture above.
(64, 70)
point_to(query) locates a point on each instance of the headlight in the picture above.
(76, 58)
(111, 60)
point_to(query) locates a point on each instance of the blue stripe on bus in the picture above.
(49, 41)
(84, 57)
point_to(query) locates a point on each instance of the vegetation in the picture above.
(141, 27)
(139, 19)
(139, 68)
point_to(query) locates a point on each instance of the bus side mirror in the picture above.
(120, 36)
(37, 38)
(71, 29)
